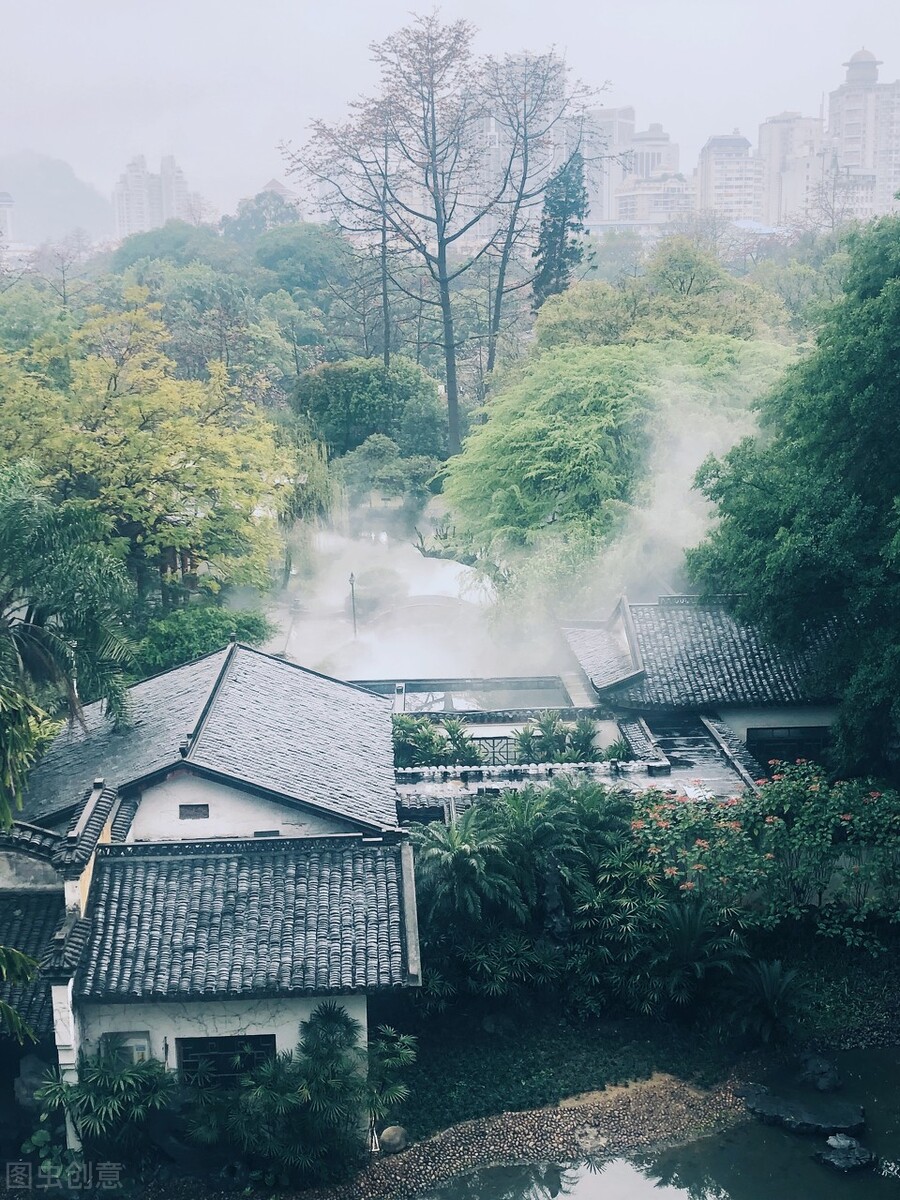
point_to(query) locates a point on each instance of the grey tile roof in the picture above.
(684, 654)
(163, 711)
(247, 716)
(30, 839)
(302, 735)
(28, 921)
(232, 919)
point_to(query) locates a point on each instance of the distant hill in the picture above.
(50, 200)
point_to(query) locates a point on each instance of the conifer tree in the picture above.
(560, 247)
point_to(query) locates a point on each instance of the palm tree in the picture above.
(766, 997)
(62, 596)
(539, 831)
(694, 942)
(461, 870)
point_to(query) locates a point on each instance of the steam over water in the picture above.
(417, 617)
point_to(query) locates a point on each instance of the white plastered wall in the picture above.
(167, 1020)
(742, 719)
(233, 813)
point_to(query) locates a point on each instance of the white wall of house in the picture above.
(232, 813)
(19, 871)
(742, 719)
(167, 1020)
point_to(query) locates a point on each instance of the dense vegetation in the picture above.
(300, 1117)
(807, 536)
(653, 903)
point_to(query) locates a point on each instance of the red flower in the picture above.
(702, 843)
(687, 887)
(670, 871)
(846, 816)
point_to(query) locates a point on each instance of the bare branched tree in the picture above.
(442, 169)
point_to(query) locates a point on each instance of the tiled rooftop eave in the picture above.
(249, 919)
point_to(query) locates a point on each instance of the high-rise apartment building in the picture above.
(653, 192)
(145, 200)
(607, 139)
(864, 136)
(730, 179)
(791, 147)
(6, 218)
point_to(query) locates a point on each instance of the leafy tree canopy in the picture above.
(265, 211)
(187, 472)
(189, 633)
(563, 442)
(307, 260)
(809, 511)
(179, 243)
(350, 401)
(684, 291)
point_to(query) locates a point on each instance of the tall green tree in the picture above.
(808, 529)
(348, 402)
(563, 444)
(560, 247)
(63, 596)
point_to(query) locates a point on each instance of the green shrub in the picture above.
(189, 633)
(301, 1116)
(419, 741)
(547, 739)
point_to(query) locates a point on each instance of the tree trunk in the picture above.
(453, 439)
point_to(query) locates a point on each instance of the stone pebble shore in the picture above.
(622, 1120)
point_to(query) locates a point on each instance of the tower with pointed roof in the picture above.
(864, 135)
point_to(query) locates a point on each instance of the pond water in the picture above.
(750, 1162)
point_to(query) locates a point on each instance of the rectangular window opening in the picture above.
(221, 1061)
(193, 812)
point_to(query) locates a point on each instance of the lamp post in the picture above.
(353, 600)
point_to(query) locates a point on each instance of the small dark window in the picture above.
(193, 812)
(786, 744)
(267, 833)
(220, 1061)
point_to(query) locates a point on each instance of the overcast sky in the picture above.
(219, 83)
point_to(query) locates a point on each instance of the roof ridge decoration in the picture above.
(228, 847)
(193, 734)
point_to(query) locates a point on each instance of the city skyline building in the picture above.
(864, 134)
(143, 199)
(730, 178)
(7, 204)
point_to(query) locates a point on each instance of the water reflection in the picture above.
(749, 1162)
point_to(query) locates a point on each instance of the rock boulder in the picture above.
(815, 1115)
(845, 1154)
(393, 1139)
(819, 1072)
